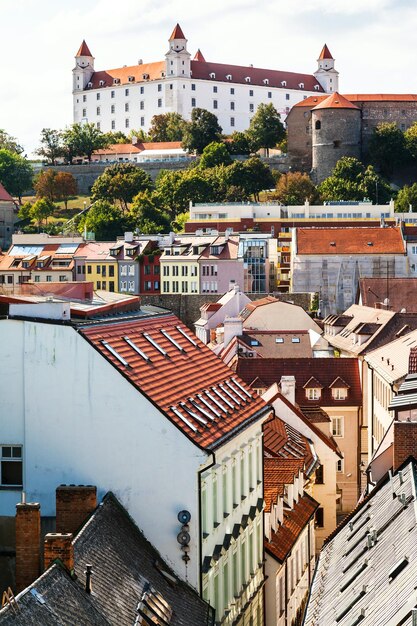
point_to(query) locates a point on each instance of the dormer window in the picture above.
(131, 79)
(247, 79)
(313, 393)
(301, 85)
(228, 77)
(163, 74)
(212, 75)
(102, 83)
(116, 81)
(215, 250)
(316, 87)
(89, 85)
(266, 81)
(283, 83)
(145, 76)
(339, 389)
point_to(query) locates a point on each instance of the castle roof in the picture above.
(199, 56)
(335, 101)
(313, 101)
(325, 53)
(177, 33)
(83, 50)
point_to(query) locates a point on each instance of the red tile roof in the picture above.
(83, 50)
(129, 148)
(325, 370)
(182, 377)
(199, 56)
(362, 240)
(4, 195)
(152, 71)
(284, 442)
(401, 293)
(312, 101)
(177, 33)
(325, 53)
(277, 474)
(335, 101)
(202, 70)
(295, 520)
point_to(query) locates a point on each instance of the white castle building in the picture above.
(128, 97)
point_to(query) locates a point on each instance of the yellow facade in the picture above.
(103, 274)
(179, 275)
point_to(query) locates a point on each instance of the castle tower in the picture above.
(336, 132)
(84, 67)
(326, 74)
(178, 58)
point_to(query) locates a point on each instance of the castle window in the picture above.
(84, 98)
(98, 111)
(214, 104)
(193, 102)
(159, 87)
(159, 102)
(126, 92)
(142, 121)
(266, 81)
(112, 109)
(247, 79)
(142, 90)
(269, 94)
(116, 81)
(316, 87)
(98, 125)
(317, 125)
(215, 89)
(232, 91)
(131, 79)
(127, 123)
(89, 85)
(84, 112)
(228, 77)
(101, 83)
(301, 85)
(112, 94)
(142, 105)
(232, 106)
(113, 124)
(192, 86)
(232, 121)
(287, 96)
(212, 75)
(251, 107)
(126, 107)
(336, 144)
(251, 92)
(283, 83)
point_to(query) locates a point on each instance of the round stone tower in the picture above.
(336, 132)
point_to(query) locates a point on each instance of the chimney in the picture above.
(412, 361)
(74, 503)
(59, 546)
(405, 442)
(233, 327)
(287, 384)
(28, 537)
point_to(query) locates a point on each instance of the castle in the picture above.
(128, 97)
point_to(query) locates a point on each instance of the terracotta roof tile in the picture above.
(183, 378)
(83, 50)
(312, 101)
(400, 292)
(152, 71)
(295, 520)
(334, 241)
(325, 369)
(277, 474)
(177, 33)
(4, 195)
(325, 53)
(284, 442)
(335, 101)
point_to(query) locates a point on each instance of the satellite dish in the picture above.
(183, 538)
(184, 517)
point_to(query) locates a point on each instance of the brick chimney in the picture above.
(412, 361)
(59, 546)
(28, 537)
(74, 503)
(405, 442)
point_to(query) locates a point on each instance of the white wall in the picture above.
(81, 422)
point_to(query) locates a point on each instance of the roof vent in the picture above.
(332, 243)
(369, 243)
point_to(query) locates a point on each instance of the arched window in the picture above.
(317, 125)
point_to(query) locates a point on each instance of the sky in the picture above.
(373, 42)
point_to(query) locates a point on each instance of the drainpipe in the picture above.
(286, 590)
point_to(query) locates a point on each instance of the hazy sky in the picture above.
(373, 42)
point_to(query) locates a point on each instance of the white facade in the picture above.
(128, 98)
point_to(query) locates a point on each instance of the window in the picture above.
(38, 278)
(98, 96)
(251, 107)
(317, 125)
(113, 124)
(339, 465)
(84, 98)
(98, 284)
(337, 426)
(156, 284)
(166, 286)
(112, 94)
(84, 112)
(319, 517)
(313, 393)
(339, 393)
(131, 285)
(159, 102)
(232, 106)
(269, 94)
(175, 271)
(214, 104)
(127, 123)
(287, 96)
(11, 466)
(232, 90)
(232, 121)
(319, 475)
(192, 86)
(142, 105)
(62, 278)
(111, 270)
(184, 270)
(159, 87)
(295, 340)
(126, 92)
(98, 125)
(88, 269)
(142, 121)
(214, 89)
(193, 101)
(142, 90)
(165, 270)
(251, 92)
(126, 107)
(49, 279)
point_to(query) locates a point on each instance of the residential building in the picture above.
(213, 314)
(330, 261)
(328, 391)
(392, 294)
(108, 559)
(365, 573)
(142, 405)
(8, 217)
(128, 97)
(95, 261)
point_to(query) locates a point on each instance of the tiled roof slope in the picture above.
(401, 293)
(335, 101)
(312, 101)
(83, 50)
(285, 443)
(325, 53)
(325, 370)
(367, 568)
(277, 474)
(295, 520)
(180, 375)
(335, 241)
(177, 33)
(152, 70)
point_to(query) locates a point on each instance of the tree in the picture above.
(202, 130)
(121, 182)
(105, 220)
(265, 128)
(82, 140)
(238, 144)
(7, 142)
(407, 196)
(147, 214)
(51, 145)
(117, 136)
(350, 180)
(215, 154)
(16, 173)
(387, 147)
(373, 187)
(41, 210)
(410, 137)
(44, 184)
(65, 187)
(295, 188)
(167, 127)
(256, 177)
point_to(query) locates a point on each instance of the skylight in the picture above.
(114, 353)
(67, 248)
